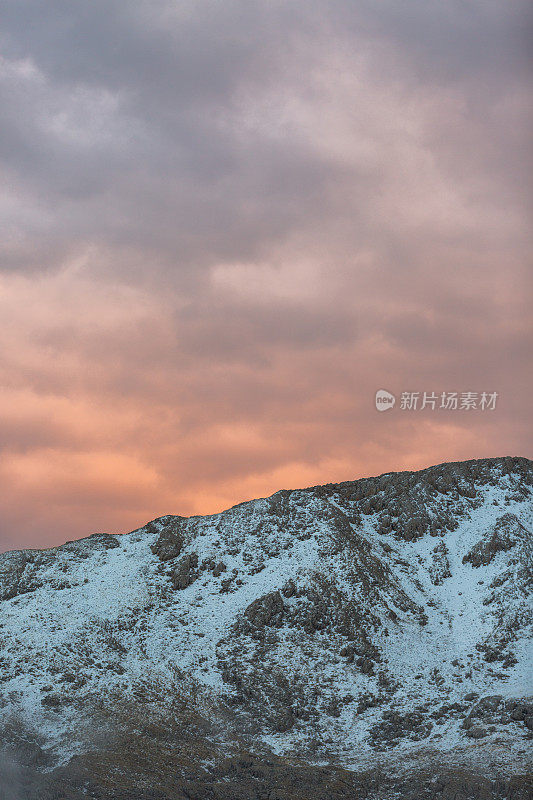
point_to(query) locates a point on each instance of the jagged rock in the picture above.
(502, 537)
(476, 732)
(169, 543)
(490, 703)
(265, 610)
(289, 589)
(519, 711)
(52, 700)
(283, 721)
(184, 572)
(105, 540)
(440, 566)
(395, 726)
(12, 568)
(84, 548)
(366, 665)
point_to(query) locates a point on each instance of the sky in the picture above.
(227, 223)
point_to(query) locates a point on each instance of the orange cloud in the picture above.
(220, 242)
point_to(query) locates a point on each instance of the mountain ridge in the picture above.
(337, 484)
(386, 618)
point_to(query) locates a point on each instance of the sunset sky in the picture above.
(225, 225)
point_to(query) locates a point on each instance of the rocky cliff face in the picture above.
(380, 621)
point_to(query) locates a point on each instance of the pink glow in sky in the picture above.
(226, 225)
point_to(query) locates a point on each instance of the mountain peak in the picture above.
(330, 624)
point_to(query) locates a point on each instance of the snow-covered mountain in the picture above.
(383, 620)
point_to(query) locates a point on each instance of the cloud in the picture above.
(227, 224)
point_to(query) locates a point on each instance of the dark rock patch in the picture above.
(503, 536)
(266, 610)
(185, 571)
(170, 542)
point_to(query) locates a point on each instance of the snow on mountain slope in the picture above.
(330, 623)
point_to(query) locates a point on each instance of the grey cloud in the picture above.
(167, 175)
(247, 333)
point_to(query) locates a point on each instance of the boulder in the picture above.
(266, 610)
(185, 572)
(169, 544)
(521, 711)
(289, 589)
(283, 721)
(477, 732)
